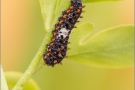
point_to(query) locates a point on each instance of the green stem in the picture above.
(33, 66)
(3, 81)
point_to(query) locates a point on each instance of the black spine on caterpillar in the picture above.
(57, 48)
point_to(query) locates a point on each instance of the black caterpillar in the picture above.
(57, 48)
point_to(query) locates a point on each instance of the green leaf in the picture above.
(113, 47)
(12, 78)
(51, 10)
(90, 1)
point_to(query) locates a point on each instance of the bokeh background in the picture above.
(22, 32)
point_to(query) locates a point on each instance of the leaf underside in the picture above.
(112, 47)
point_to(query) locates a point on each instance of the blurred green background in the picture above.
(23, 31)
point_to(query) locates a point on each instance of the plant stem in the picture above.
(3, 81)
(33, 66)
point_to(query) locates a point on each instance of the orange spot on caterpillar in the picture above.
(55, 61)
(64, 16)
(71, 7)
(49, 50)
(54, 34)
(55, 53)
(45, 57)
(78, 10)
(59, 55)
(62, 48)
(51, 44)
(57, 28)
(68, 11)
(48, 54)
(60, 22)
(53, 39)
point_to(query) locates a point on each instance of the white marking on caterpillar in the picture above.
(63, 32)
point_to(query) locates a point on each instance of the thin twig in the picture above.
(33, 66)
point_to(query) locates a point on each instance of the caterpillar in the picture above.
(57, 48)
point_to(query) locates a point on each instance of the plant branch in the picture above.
(34, 64)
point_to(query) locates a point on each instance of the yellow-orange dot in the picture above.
(78, 10)
(49, 50)
(68, 11)
(55, 61)
(71, 7)
(62, 48)
(60, 22)
(64, 16)
(73, 21)
(48, 54)
(59, 55)
(51, 44)
(54, 34)
(45, 57)
(55, 53)
(57, 28)
(53, 39)
(63, 42)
